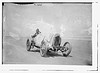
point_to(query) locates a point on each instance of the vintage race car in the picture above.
(45, 46)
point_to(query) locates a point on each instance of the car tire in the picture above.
(67, 48)
(28, 45)
(43, 50)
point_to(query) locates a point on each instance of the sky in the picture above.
(69, 20)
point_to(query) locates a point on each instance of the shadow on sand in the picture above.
(51, 54)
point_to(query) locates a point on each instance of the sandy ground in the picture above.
(14, 52)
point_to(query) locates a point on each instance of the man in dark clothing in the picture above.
(33, 36)
(37, 32)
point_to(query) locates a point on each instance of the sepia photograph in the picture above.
(47, 33)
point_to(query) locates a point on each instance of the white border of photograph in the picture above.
(35, 67)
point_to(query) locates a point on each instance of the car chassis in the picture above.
(54, 45)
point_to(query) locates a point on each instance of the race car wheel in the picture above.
(67, 48)
(28, 45)
(43, 50)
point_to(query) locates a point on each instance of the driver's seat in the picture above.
(56, 41)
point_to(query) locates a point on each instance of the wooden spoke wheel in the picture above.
(67, 48)
(43, 50)
(28, 45)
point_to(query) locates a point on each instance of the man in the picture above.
(33, 36)
(37, 32)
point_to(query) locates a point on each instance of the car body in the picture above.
(45, 45)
